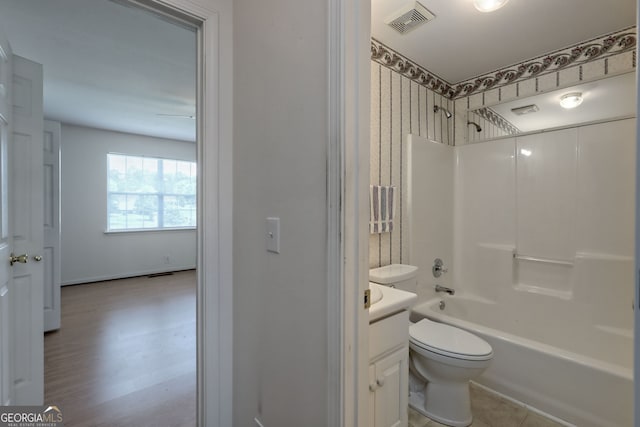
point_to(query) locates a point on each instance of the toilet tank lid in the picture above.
(392, 273)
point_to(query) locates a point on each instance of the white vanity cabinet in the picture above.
(389, 371)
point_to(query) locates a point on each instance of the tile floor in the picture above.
(491, 410)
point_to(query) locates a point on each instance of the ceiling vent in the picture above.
(527, 109)
(409, 17)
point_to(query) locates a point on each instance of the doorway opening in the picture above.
(135, 220)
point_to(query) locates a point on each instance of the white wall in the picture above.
(87, 253)
(280, 169)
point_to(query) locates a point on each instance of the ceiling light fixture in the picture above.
(489, 5)
(571, 100)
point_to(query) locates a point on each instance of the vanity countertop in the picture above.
(393, 301)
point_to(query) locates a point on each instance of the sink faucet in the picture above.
(440, 288)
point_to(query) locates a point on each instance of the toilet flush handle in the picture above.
(380, 382)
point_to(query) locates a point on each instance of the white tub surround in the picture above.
(550, 214)
(429, 187)
(544, 260)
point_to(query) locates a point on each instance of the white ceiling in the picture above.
(114, 67)
(461, 43)
(107, 65)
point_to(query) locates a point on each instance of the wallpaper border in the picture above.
(598, 48)
(389, 58)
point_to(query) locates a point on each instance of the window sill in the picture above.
(149, 230)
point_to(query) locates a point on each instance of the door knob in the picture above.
(19, 258)
(37, 258)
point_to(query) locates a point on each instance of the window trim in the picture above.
(150, 230)
(159, 195)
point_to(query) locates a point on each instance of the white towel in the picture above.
(382, 208)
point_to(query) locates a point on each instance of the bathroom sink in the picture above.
(376, 293)
(386, 301)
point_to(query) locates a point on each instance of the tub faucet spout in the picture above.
(440, 288)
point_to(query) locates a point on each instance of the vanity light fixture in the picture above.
(571, 100)
(489, 5)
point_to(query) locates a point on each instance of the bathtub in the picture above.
(580, 374)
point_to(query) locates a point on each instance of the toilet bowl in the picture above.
(444, 358)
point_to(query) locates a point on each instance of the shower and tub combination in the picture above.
(580, 373)
(538, 233)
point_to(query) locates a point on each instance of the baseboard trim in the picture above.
(95, 279)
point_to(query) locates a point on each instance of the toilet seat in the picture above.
(448, 341)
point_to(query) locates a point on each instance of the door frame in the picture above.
(212, 20)
(636, 301)
(349, 89)
(348, 39)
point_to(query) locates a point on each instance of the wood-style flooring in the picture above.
(125, 354)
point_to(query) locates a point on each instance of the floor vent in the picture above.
(409, 17)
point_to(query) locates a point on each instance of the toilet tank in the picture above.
(400, 276)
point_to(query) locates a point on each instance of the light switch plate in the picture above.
(273, 235)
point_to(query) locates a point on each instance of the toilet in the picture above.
(442, 358)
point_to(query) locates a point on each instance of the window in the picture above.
(150, 193)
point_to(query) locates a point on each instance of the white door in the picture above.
(6, 232)
(51, 252)
(28, 233)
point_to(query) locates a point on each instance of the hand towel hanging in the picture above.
(382, 208)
